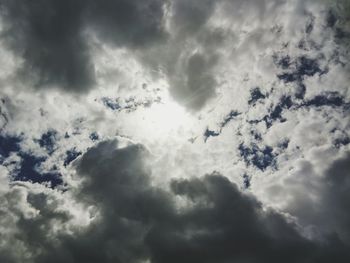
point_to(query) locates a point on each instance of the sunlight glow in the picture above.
(165, 119)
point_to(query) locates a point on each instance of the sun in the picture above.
(165, 119)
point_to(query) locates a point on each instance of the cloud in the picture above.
(51, 36)
(194, 84)
(133, 24)
(222, 225)
(47, 35)
(115, 182)
(200, 219)
(319, 200)
(190, 42)
(264, 87)
(336, 197)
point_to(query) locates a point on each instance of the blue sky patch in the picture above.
(94, 136)
(229, 117)
(110, 103)
(327, 99)
(28, 171)
(48, 140)
(8, 144)
(71, 155)
(255, 95)
(261, 158)
(298, 69)
(209, 133)
(276, 112)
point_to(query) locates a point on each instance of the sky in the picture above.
(162, 131)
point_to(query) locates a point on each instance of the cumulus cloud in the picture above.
(51, 36)
(318, 199)
(240, 111)
(203, 219)
(187, 41)
(47, 35)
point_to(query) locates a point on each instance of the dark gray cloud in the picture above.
(116, 182)
(49, 35)
(329, 214)
(190, 55)
(337, 196)
(338, 19)
(190, 16)
(137, 221)
(197, 84)
(224, 225)
(51, 38)
(127, 23)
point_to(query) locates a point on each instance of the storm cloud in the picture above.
(163, 131)
(52, 38)
(135, 221)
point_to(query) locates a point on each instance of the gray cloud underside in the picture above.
(49, 35)
(137, 221)
(52, 37)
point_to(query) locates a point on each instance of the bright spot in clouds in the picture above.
(165, 119)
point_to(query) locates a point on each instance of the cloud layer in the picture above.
(51, 36)
(166, 131)
(203, 219)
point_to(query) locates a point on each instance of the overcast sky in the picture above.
(161, 131)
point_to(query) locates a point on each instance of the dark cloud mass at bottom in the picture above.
(137, 221)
